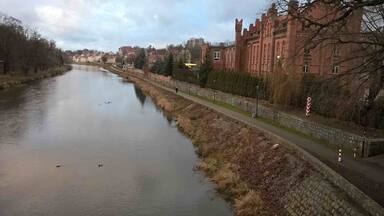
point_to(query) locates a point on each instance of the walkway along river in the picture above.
(86, 143)
(250, 168)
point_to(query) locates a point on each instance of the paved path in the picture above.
(366, 174)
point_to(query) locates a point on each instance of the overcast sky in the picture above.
(109, 24)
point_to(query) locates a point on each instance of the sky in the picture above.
(109, 24)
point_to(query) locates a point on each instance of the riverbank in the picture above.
(14, 80)
(258, 175)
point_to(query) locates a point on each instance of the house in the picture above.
(155, 55)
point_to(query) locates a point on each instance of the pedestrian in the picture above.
(355, 152)
(176, 89)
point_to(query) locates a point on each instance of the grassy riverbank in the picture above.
(218, 141)
(256, 174)
(13, 80)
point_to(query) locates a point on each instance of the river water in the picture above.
(117, 153)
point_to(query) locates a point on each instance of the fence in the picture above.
(341, 139)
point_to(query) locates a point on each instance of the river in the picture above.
(88, 143)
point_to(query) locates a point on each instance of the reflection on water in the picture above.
(85, 118)
(140, 95)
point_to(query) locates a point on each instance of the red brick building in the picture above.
(277, 40)
(156, 55)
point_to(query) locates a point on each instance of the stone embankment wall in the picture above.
(257, 176)
(341, 139)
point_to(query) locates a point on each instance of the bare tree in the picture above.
(23, 50)
(356, 24)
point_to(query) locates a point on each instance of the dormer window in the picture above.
(336, 51)
(336, 69)
(216, 55)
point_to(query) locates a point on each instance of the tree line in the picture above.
(287, 90)
(26, 51)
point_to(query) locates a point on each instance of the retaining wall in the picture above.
(340, 139)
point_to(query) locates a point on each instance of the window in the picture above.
(336, 51)
(264, 54)
(216, 55)
(269, 53)
(257, 54)
(306, 68)
(307, 51)
(336, 69)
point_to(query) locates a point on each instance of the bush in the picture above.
(236, 83)
(185, 75)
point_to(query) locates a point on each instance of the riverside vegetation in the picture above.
(26, 55)
(12, 80)
(285, 90)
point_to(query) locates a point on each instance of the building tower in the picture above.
(239, 44)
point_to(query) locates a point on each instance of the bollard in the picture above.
(339, 158)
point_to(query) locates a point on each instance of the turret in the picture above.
(293, 7)
(272, 10)
(292, 27)
(239, 44)
(257, 24)
(238, 28)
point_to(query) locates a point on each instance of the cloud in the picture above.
(106, 25)
(57, 20)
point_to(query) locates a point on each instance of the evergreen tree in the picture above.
(180, 64)
(140, 59)
(168, 69)
(157, 67)
(205, 69)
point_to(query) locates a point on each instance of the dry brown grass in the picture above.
(240, 160)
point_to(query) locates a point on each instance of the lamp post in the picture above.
(257, 102)
(214, 90)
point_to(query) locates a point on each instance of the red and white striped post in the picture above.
(308, 108)
(339, 157)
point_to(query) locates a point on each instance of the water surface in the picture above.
(88, 117)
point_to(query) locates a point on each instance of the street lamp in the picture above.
(214, 90)
(257, 102)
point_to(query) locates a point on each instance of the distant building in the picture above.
(222, 55)
(128, 51)
(128, 66)
(183, 55)
(156, 55)
(111, 59)
(195, 42)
